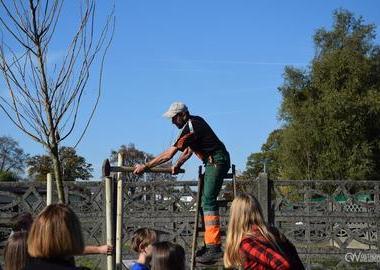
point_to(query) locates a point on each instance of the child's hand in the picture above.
(105, 249)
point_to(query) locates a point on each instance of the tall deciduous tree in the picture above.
(45, 96)
(12, 157)
(332, 110)
(74, 166)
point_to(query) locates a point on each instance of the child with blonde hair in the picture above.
(142, 241)
(252, 244)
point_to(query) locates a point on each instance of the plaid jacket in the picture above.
(259, 255)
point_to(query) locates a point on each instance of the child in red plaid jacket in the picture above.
(251, 244)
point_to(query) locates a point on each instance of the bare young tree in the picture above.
(44, 97)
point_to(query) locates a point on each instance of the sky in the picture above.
(223, 59)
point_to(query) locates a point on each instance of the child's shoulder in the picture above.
(139, 266)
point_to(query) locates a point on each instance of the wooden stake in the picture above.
(119, 214)
(49, 189)
(109, 219)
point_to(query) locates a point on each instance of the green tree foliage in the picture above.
(268, 156)
(331, 111)
(74, 166)
(12, 157)
(133, 156)
(8, 176)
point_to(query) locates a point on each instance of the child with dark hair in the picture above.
(142, 241)
(15, 251)
(22, 222)
(168, 256)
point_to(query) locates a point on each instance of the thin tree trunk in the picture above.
(47, 104)
(57, 173)
(3, 162)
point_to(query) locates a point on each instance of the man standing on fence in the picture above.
(197, 137)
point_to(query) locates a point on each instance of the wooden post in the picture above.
(233, 170)
(49, 189)
(109, 219)
(119, 214)
(264, 195)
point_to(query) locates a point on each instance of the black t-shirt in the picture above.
(199, 136)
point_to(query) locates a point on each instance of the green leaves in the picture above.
(8, 176)
(331, 111)
(12, 157)
(74, 166)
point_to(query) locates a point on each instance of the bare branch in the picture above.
(18, 22)
(34, 137)
(42, 102)
(99, 87)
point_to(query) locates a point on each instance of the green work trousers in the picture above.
(216, 168)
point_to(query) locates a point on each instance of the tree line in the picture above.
(16, 165)
(330, 111)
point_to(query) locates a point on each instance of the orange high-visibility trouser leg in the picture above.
(212, 226)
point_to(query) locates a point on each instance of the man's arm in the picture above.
(168, 154)
(186, 154)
